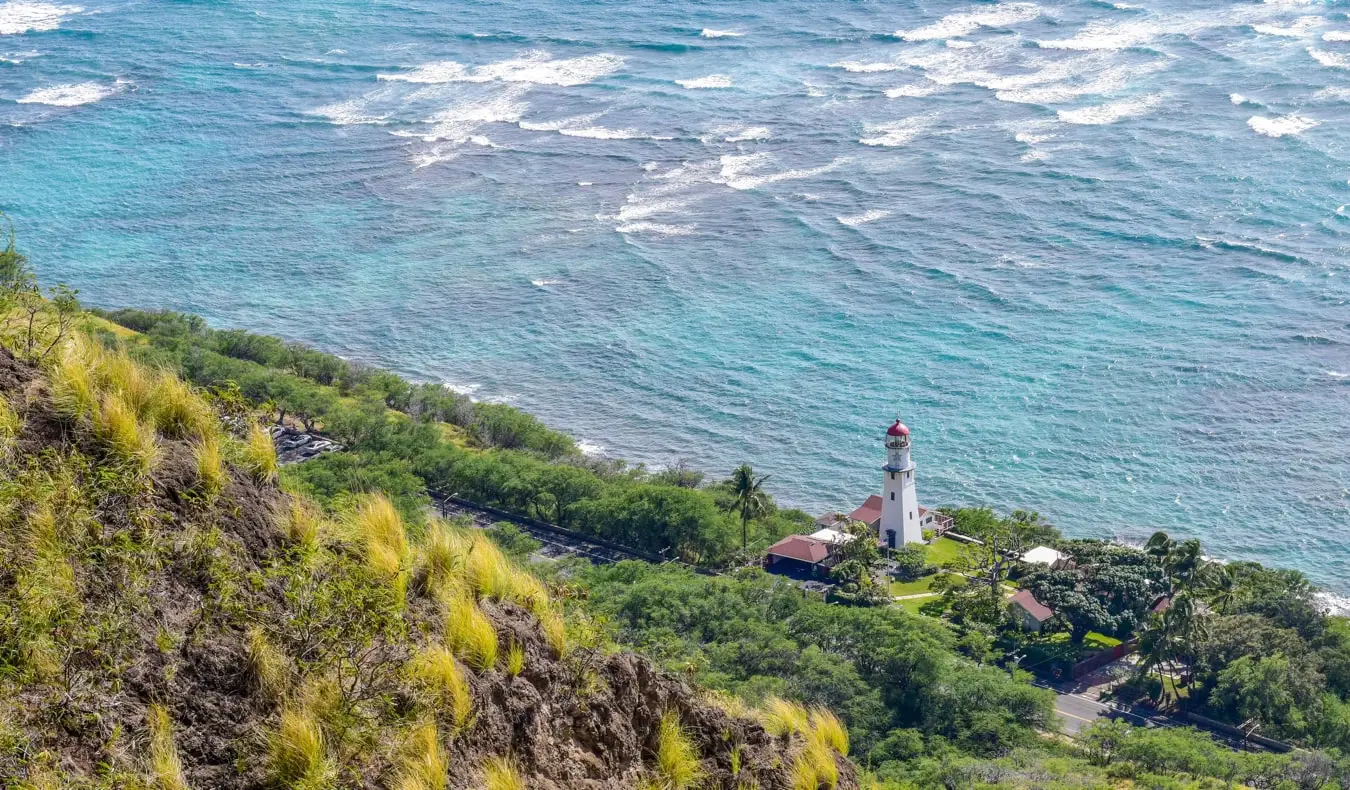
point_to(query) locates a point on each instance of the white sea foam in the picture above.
(1331, 59)
(1336, 35)
(1112, 112)
(1334, 93)
(559, 125)
(601, 133)
(1281, 125)
(1033, 139)
(710, 33)
(966, 22)
(748, 133)
(18, 17)
(336, 52)
(462, 121)
(462, 389)
(71, 95)
(543, 283)
(915, 91)
(863, 218)
(1238, 98)
(897, 133)
(537, 68)
(640, 208)
(591, 448)
(710, 81)
(1299, 28)
(1105, 35)
(864, 68)
(1336, 605)
(349, 113)
(434, 156)
(656, 228)
(953, 43)
(746, 172)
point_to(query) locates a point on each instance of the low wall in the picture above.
(1228, 729)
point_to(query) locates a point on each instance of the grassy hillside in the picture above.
(170, 619)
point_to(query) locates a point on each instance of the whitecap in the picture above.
(710, 81)
(748, 133)
(71, 95)
(537, 68)
(864, 68)
(590, 448)
(710, 33)
(1335, 605)
(1033, 139)
(1336, 35)
(462, 121)
(1281, 125)
(1103, 35)
(461, 389)
(543, 283)
(1238, 98)
(863, 218)
(1300, 27)
(434, 156)
(1112, 112)
(559, 125)
(18, 17)
(336, 52)
(1334, 93)
(742, 172)
(239, 65)
(966, 22)
(349, 113)
(601, 133)
(1330, 59)
(913, 91)
(953, 43)
(585, 183)
(657, 228)
(896, 133)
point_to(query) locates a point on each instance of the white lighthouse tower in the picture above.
(899, 505)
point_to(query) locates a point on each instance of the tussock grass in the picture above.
(117, 373)
(424, 764)
(303, 524)
(677, 762)
(829, 730)
(166, 768)
(441, 561)
(515, 659)
(72, 385)
(489, 571)
(821, 758)
(180, 413)
(783, 718)
(435, 667)
(553, 626)
(470, 634)
(211, 473)
(268, 666)
(295, 752)
(259, 456)
(128, 439)
(10, 423)
(803, 774)
(500, 773)
(729, 704)
(378, 522)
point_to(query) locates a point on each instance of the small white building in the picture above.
(1044, 555)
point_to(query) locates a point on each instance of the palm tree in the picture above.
(750, 498)
(1222, 585)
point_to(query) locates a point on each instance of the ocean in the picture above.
(1093, 253)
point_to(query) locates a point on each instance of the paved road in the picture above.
(1077, 712)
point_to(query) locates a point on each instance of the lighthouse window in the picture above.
(892, 496)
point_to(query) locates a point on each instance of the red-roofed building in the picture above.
(800, 555)
(1030, 613)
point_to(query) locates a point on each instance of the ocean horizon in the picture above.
(1094, 254)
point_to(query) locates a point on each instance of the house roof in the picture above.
(831, 536)
(1033, 607)
(869, 511)
(801, 547)
(1043, 555)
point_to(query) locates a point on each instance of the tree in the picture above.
(859, 564)
(1221, 584)
(750, 498)
(1003, 541)
(910, 560)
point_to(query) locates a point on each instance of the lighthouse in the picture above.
(900, 510)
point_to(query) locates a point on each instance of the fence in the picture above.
(1101, 658)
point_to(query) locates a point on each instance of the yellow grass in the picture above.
(378, 522)
(260, 456)
(304, 524)
(211, 473)
(677, 763)
(555, 631)
(425, 766)
(9, 421)
(72, 386)
(442, 561)
(781, 717)
(515, 659)
(179, 412)
(830, 730)
(296, 751)
(470, 634)
(165, 766)
(267, 664)
(729, 704)
(803, 774)
(436, 668)
(499, 773)
(127, 438)
(117, 373)
(822, 760)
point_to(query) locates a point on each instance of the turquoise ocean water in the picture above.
(1094, 253)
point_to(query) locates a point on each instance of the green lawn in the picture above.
(913, 605)
(946, 550)
(911, 588)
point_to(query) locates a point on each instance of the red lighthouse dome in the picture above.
(898, 429)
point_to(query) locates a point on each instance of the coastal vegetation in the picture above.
(171, 617)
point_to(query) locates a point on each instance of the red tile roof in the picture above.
(868, 512)
(1035, 608)
(801, 547)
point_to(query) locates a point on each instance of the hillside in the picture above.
(171, 620)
